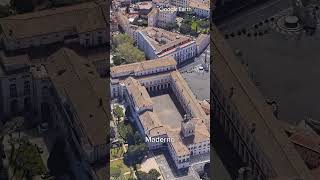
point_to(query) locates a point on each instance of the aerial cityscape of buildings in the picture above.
(155, 94)
(49, 78)
(159, 90)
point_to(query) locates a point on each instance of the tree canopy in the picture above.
(122, 39)
(171, 26)
(147, 176)
(125, 131)
(135, 154)
(125, 51)
(154, 173)
(28, 159)
(130, 54)
(118, 112)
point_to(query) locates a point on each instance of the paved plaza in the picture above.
(198, 79)
(285, 67)
(199, 83)
(168, 170)
(168, 109)
(287, 70)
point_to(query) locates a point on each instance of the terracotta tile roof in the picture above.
(199, 5)
(183, 88)
(151, 124)
(143, 66)
(138, 92)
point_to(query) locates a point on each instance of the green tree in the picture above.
(125, 131)
(171, 26)
(185, 28)
(154, 173)
(122, 39)
(117, 60)
(130, 53)
(137, 138)
(28, 160)
(22, 6)
(135, 154)
(118, 112)
(144, 176)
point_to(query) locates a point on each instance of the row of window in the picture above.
(14, 92)
(154, 71)
(232, 114)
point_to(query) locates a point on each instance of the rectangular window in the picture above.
(13, 90)
(27, 89)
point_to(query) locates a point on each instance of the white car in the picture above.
(201, 68)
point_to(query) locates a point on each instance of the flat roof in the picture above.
(269, 137)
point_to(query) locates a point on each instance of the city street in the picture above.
(197, 78)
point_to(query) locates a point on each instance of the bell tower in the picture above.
(187, 126)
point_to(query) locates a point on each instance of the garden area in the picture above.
(124, 51)
(191, 25)
(25, 161)
(118, 168)
(116, 153)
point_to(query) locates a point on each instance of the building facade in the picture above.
(200, 8)
(162, 17)
(158, 43)
(43, 28)
(53, 93)
(248, 123)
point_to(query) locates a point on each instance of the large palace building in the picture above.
(248, 122)
(133, 84)
(83, 24)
